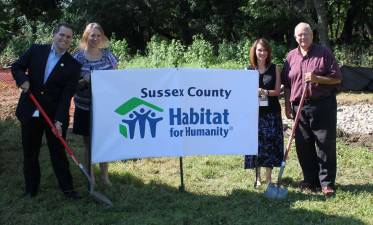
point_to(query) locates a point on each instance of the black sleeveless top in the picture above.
(267, 80)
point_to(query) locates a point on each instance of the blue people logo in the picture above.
(138, 113)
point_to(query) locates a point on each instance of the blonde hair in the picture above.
(88, 29)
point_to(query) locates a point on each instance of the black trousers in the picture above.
(315, 140)
(32, 133)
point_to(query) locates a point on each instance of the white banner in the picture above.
(141, 113)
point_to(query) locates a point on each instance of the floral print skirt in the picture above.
(270, 143)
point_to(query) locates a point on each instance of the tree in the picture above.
(313, 12)
(322, 21)
(358, 21)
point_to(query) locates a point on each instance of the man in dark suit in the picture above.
(51, 74)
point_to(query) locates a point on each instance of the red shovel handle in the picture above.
(54, 129)
(296, 121)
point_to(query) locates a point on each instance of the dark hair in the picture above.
(58, 27)
(254, 59)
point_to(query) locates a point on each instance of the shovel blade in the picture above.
(275, 192)
(101, 198)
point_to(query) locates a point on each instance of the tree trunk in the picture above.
(346, 35)
(186, 36)
(322, 21)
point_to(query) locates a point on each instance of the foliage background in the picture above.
(197, 33)
(224, 28)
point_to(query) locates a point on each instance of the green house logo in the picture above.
(137, 113)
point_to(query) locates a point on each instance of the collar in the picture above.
(308, 52)
(53, 50)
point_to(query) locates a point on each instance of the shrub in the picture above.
(279, 52)
(354, 55)
(157, 51)
(119, 48)
(163, 53)
(200, 52)
(18, 43)
(44, 33)
(175, 54)
(243, 51)
(227, 51)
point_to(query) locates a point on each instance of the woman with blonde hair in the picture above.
(93, 56)
(270, 134)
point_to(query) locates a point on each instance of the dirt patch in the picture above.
(352, 140)
(9, 95)
(356, 140)
(8, 100)
(5, 75)
(354, 97)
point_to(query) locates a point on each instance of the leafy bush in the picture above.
(17, 44)
(162, 53)
(175, 53)
(157, 51)
(227, 51)
(200, 52)
(354, 55)
(237, 52)
(279, 52)
(119, 48)
(243, 51)
(138, 61)
(43, 34)
(165, 53)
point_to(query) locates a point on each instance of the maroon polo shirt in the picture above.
(318, 60)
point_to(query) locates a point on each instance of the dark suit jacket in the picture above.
(55, 95)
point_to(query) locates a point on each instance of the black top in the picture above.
(267, 80)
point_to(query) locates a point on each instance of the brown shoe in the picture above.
(328, 191)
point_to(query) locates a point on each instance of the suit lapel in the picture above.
(43, 61)
(57, 68)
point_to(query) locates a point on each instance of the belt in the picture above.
(310, 101)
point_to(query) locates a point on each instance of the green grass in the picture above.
(218, 191)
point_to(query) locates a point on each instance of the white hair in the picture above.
(303, 25)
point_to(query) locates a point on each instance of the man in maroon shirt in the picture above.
(314, 67)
